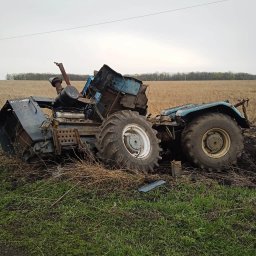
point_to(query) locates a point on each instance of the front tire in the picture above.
(127, 140)
(213, 141)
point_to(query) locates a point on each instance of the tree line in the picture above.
(43, 76)
(192, 76)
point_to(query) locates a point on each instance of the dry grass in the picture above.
(89, 173)
(161, 94)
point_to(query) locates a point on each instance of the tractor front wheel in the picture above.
(213, 141)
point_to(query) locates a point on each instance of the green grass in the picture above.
(185, 219)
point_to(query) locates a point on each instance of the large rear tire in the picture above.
(127, 140)
(213, 141)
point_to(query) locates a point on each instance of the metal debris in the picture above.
(148, 187)
(176, 169)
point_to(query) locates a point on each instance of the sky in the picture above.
(218, 37)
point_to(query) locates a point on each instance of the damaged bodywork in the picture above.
(109, 119)
(76, 117)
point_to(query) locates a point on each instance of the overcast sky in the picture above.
(217, 37)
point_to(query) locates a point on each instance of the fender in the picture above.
(186, 113)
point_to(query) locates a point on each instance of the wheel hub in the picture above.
(216, 143)
(133, 142)
(136, 141)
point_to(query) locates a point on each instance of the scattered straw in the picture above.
(92, 174)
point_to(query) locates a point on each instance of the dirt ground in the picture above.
(168, 94)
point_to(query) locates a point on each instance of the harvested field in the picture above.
(161, 94)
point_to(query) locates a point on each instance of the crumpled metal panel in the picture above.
(107, 77)
(29, 115)
(126, 85)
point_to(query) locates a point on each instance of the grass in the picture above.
(108, 216)
(178, 219)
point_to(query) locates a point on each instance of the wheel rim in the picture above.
(216, 143)
(136, 141)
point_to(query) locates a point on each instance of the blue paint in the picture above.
(108, 78)
(185, 110)
(87, 85)
(97, 97)
(126, 85)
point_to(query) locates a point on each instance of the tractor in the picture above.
(109, 119)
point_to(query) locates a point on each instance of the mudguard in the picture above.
(20, 124)
(187, 112)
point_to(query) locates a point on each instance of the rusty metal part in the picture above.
(86, 100)
(64, 138)
(60, 120)
(85, 127)
(88, 131)
(22, 141)
(63, 72)
(58, 87)
(245, 113)
(56, 82)
(138, 101)
(244, 103)
(70, 138)
(161, 120)
(114, 103)
(176, 169)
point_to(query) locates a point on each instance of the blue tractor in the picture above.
(109, 120)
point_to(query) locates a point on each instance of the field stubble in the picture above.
(161, 94)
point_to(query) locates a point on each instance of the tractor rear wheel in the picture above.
(127, 140)
(213, 141)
